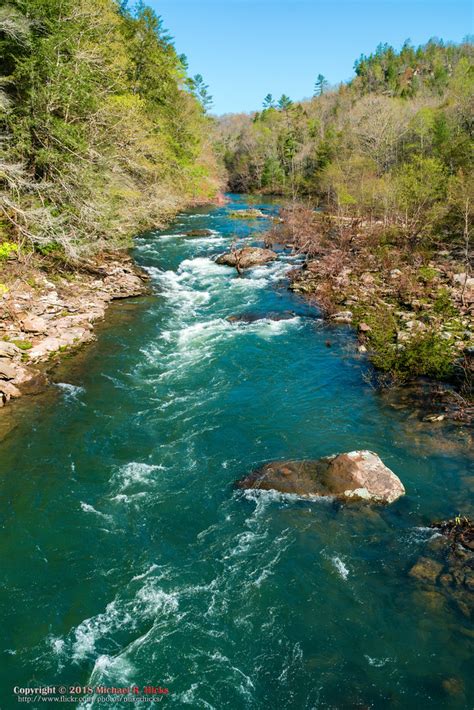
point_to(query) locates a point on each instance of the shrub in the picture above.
(443, 304)
(7, 249)
(22, 344)
(427, 273)
(426, 354)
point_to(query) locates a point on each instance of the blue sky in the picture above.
(248, 48)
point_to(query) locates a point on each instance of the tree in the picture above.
(268, 102)
(284, 102)
(320, 85)
(100, 138)
(201, 91)
(420, 190)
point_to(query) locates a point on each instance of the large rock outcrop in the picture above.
(359, 475)
(246, 257)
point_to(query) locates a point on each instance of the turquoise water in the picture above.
(128, 557)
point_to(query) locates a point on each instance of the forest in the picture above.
(394, 143)
(102, 132)
(378, 177)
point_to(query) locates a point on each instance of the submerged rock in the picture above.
(426, 570)
(450, 569)
(359, 475)
(199, 233)
(246, 257)
(253, 317)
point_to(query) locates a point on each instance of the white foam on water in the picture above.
(200, 332)
(189, 698)
(201, 265)
(268, 327)
(148, 603)
(377, 662)
(292, 661)
(266, 497)
(215, 238)
(135, 473)
(274, 271)
(417, 535)
(156, 600)
(57, 646)
(122, 498)
(151, 569)
(340, 567)
(90, 509)
(111, 670)
(246, 284)
(175, 289)
(213, 331)
(267, 570)
(71, 392)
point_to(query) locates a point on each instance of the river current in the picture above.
(127, 555)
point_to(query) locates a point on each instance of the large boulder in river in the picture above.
(246, 257)
(359, 475)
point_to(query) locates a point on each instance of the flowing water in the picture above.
(128, 558)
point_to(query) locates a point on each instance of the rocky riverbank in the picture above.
(45, 312)
(413, 308)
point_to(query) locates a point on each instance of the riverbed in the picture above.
(129, 558)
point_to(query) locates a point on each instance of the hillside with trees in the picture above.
(359, 146)
(388, 159)
(102, 131)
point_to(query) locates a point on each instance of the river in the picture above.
(128, 557)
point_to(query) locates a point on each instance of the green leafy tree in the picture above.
(420, 189)
(101, 139)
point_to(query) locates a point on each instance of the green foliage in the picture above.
(382, 337)
(105, 133)
(420, 186)
(22, 344)
(394, 145)
(427, 273)
(443, 304)
(284, 102)
(7, 249)
(268, 102)
(407, 72)
(321, 85)
(425, 353)
(201, 91)
(50, 248)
